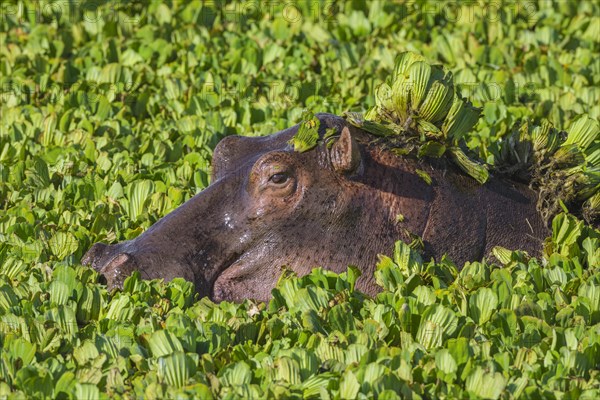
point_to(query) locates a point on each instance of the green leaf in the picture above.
(388, 275)
(307, 136)
(8, 297)
(349, 386)
(437, 324)
(163, 343)
(461, 118)
(565, 230)
(86, 391)
(111, 73)
(22, 350)
(163, 14)
(445, 362)
(287, 370)
(340, 318)
(487, 385)
(438, 101)
(503, 255)
(407, 259)
(138, 193)
(383, 97)
(432, 149)
(419, 74)
(59, 292)
(482, 304)
(405, 60)
(176, 368)
(89, 305)
(63, 244)
(401, 93)
(236, 374)
(311, 298)
(583, 132)
(474, 169)
(85, 353)
(424, 175)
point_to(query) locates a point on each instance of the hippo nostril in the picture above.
(93, 255)
(118, 268)
(112, 264)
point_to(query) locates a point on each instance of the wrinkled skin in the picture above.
(268, 206)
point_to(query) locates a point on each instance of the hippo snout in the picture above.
(110, 262)
(118, 261)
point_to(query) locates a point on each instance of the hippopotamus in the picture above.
(342, 203)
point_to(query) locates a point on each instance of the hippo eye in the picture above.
(279, 178)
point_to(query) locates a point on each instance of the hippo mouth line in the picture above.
(231, 262)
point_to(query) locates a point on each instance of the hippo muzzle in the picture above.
(110, 261)
(117, 262)
(192, 242)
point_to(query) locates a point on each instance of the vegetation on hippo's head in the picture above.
(419, 111)
(307, 136)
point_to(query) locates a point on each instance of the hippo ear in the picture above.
(345, 153)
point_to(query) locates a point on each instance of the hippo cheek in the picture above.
(246, 279)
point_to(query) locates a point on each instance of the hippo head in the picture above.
(338, 204)
(269, 206)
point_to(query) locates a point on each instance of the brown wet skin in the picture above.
(268, 206)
